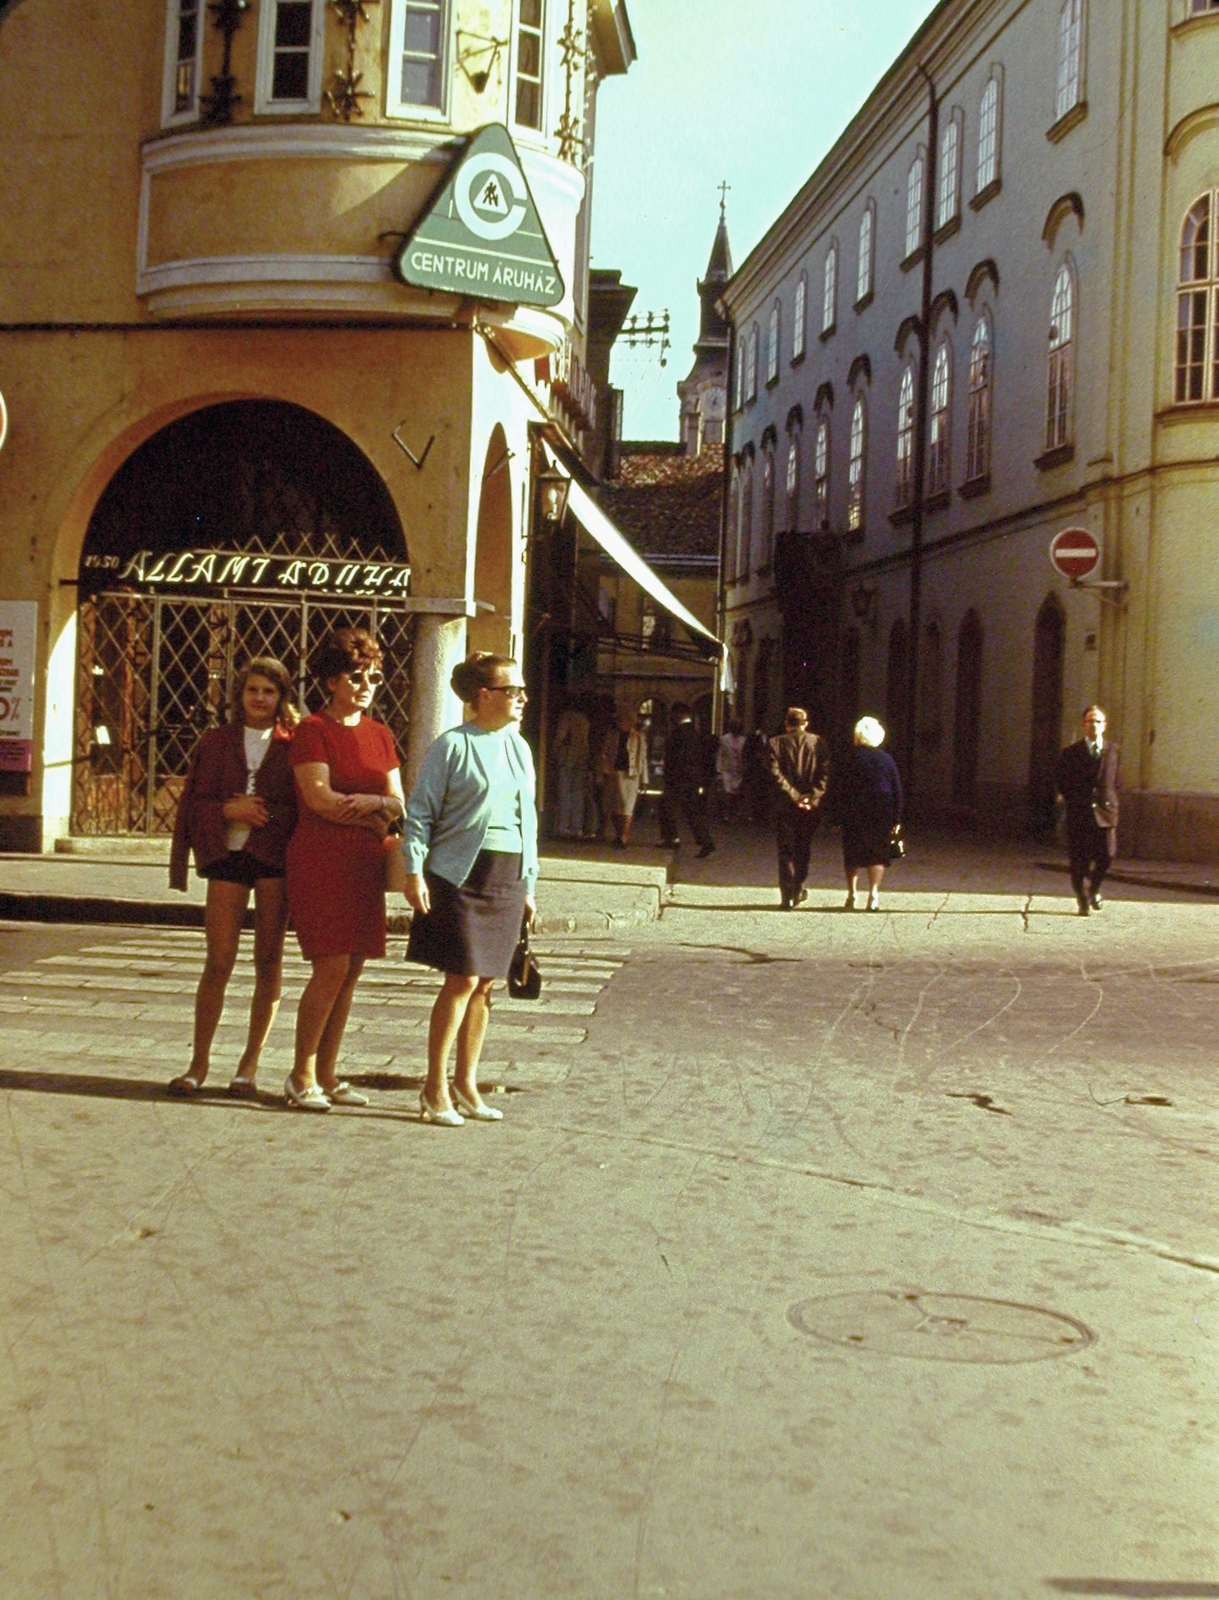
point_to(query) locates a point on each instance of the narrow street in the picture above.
(818, 1254)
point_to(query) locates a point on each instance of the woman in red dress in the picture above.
(350, 787)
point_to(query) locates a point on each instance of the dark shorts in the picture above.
(239, 866)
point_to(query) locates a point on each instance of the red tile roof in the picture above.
(665, 502)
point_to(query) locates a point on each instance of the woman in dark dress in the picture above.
(346, 767)
(870, 801)
(236, 813)
(472, 863)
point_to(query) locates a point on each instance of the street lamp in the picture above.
(553, 487)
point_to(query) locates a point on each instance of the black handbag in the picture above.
(897, 845)
(524, 974)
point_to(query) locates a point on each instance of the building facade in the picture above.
(233, 423)
(973, 328)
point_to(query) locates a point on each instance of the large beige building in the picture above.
(232, 423)
(1053, 231)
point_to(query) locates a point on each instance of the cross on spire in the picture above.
(724, 188)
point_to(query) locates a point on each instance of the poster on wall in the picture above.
(18, 636)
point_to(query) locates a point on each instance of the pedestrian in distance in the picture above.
(569, 749)
(800, 767)
(624, 771)
(689, 774)
(730, 767)
(236, 814)
(870, 804)
(472, 864)
(347, 775)
(1086, 778)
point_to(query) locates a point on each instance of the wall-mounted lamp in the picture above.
(553, 487)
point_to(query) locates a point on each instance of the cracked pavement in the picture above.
(819, 1254)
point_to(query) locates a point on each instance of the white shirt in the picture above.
(257, 743)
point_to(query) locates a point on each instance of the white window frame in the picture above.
(981, 400)
(744, 532)
(990, 162)
(821, 475)
(792, 480)
(751, 368)
(865, 275)
(939, 422)
(1061, 368)
(829, 289)
(903, 475)
(772, 344)
(526, 128)
(916, 178)
(1201, 340)
(800, 317)
(766, 543)
(857, 464)
(264, 79)
(742, 360)
(171, 117)
(948, 186)
(411, 110)
(1069, 80)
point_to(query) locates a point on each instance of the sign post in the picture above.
(1075, 554)
(18, 643)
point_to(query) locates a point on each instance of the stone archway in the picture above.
(492, 629)
(244, 528)
(1045, 730)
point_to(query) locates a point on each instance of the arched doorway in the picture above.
(249, 528)
(492, 629)
(897, 686)
(1045, 735)
(967, 722)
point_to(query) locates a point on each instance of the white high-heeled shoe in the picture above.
(480, 1113)
(442, 1119)
(314, 1098)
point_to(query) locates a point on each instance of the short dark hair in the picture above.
(477, 672)
(274, 672)
(345, 650)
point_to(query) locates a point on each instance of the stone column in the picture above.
(440, 643)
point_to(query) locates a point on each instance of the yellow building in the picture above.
(232, 423)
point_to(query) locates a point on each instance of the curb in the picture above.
(1142, 880)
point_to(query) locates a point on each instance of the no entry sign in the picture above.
(1074, 553)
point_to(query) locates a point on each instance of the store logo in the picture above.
(485, 199)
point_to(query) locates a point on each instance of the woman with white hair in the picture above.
(870, 802)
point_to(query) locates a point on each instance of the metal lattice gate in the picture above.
(155, 671)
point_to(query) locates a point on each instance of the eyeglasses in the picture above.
(516, 690)
(369, 677)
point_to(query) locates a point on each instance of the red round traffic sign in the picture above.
(1074, 553)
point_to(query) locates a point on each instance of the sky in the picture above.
(713, 98)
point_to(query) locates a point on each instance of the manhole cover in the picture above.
(940, 1327)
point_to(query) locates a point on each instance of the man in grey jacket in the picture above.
(800, 767)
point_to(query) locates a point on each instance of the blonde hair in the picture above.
(869, 732)
(274, 672)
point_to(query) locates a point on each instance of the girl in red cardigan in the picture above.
(237, 813)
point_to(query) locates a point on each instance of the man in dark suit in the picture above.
(1087, 780)
(800, 767)
(689, 773)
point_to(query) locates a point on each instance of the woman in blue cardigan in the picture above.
(472, 863)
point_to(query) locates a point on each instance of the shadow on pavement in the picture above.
(1136, 1588)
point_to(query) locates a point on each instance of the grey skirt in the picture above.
(472, 931)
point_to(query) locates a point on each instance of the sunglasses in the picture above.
(369, 677)
(516, 690)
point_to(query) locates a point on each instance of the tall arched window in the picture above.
(988, 135)
(914, 205)
(1070, 56)
(863, 284)
(766, 544)
(977, 448)
(793, 480)
(1061, 384)
(948, 199)
(967, 724)
(742, 366)
(829, 290)
(772, 345)
(821, 476)
(903, 491)
(751, 366)
(856, 463)
(799, 317)
(1197, 365)
(939, 431)
(745, 526)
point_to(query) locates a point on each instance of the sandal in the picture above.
(183, 1087)
(243, 1089)
(344, 1095)
(314, 1098)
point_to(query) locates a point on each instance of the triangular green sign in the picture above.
(482, 236)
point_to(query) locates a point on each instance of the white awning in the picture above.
(595, 522)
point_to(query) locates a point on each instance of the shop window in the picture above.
(289, 56)
(530, 40)
(418, 53)
(1197, 356)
